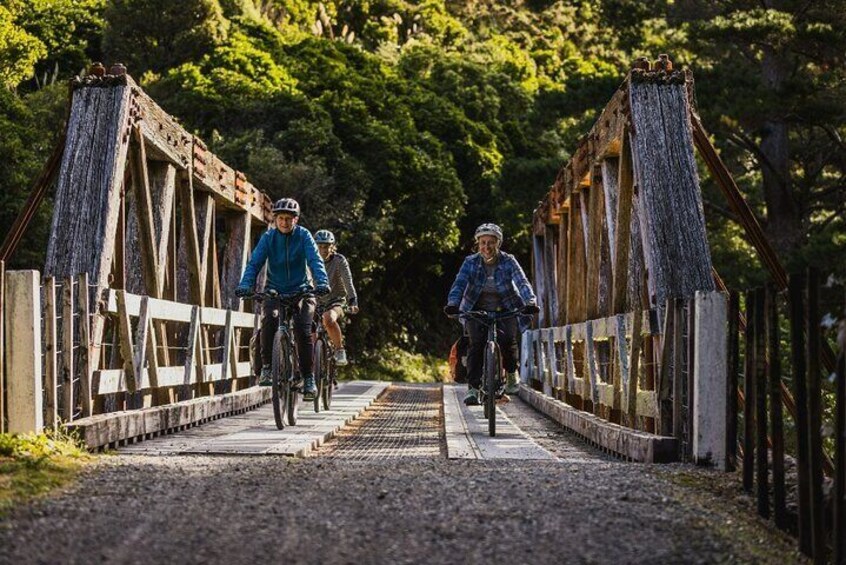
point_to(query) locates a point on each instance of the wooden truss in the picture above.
(143, 207)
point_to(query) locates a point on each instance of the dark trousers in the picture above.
(506, 336)
(303, 317)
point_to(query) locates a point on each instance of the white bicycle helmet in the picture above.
(288, 205)
(324, 236)
(488, 229)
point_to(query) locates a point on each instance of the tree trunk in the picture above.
(784, 218)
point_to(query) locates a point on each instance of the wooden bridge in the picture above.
(636, 348)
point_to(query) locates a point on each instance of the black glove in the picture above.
(322, 291)
(530, 309)
(243, 291)
(451, 310)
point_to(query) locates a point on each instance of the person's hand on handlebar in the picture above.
(352, 307)
(243, 291)
(530, 309)
(451, 310)
(321, 291)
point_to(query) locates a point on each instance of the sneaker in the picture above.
(472, 397)
(512, 384)
(309, 388)
(340, 357)
(265, 379)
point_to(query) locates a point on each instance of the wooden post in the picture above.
(51, 415)
(796, 291)
(622, 241)
(815, 447)
(2, 347)
(839, 539)
(776, 413)
(84, 357)
(561, 263)
(761, 406)
(68, 400)
(733, 369)
(540, 279)
(665, 382)
(550, 283)
(749, 394)
(126, 348)
(709, 376)
(678, 369)
(23, 359)
(634, 366)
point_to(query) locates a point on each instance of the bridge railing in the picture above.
(662, 372)
(152, 353)
(791, 409)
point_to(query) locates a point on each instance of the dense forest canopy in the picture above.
(402, 124)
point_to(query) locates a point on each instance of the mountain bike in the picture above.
(285, 363)
(493, 381)
(325, 369)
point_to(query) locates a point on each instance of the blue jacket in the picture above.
(287, 256)
(511, 283)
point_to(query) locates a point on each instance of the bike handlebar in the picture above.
(485, 316)
(272, 294)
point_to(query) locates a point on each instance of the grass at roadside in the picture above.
(395, 364)
(32, 465)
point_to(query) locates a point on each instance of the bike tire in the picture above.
(329, 384)
(319, 369)
(293, 393)
(280, 387)
(491, 367)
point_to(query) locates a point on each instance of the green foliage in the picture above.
(403, 124)
(19, 49)
(397, 365)
(156, 35)
(32, 465)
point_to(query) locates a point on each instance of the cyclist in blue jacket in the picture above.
(287, 249)
(491, 280)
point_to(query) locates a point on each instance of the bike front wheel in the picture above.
(319, 370)
(491, 385)
(281, 390)
(329, 381)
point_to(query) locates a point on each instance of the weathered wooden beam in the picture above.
(562, 265)
(84, 357)
(601, 141)
(111, 429)
(628, 443)
(672, 219)
(51, 412)
(68, 323)
(622, 223)
(126, 347)
(594, 244)
(149, 246)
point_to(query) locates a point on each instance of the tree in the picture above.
(774, 87)
(157, 35)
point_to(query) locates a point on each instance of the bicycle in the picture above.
(324, 360)
(285, 387)
(493, 383)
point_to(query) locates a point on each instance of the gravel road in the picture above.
(418, 508)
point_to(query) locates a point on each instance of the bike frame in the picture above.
(490, 320)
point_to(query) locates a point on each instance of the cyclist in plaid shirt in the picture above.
(491, 280)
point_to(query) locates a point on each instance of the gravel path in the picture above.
(421, 508)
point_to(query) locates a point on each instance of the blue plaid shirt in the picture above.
(511, 284)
